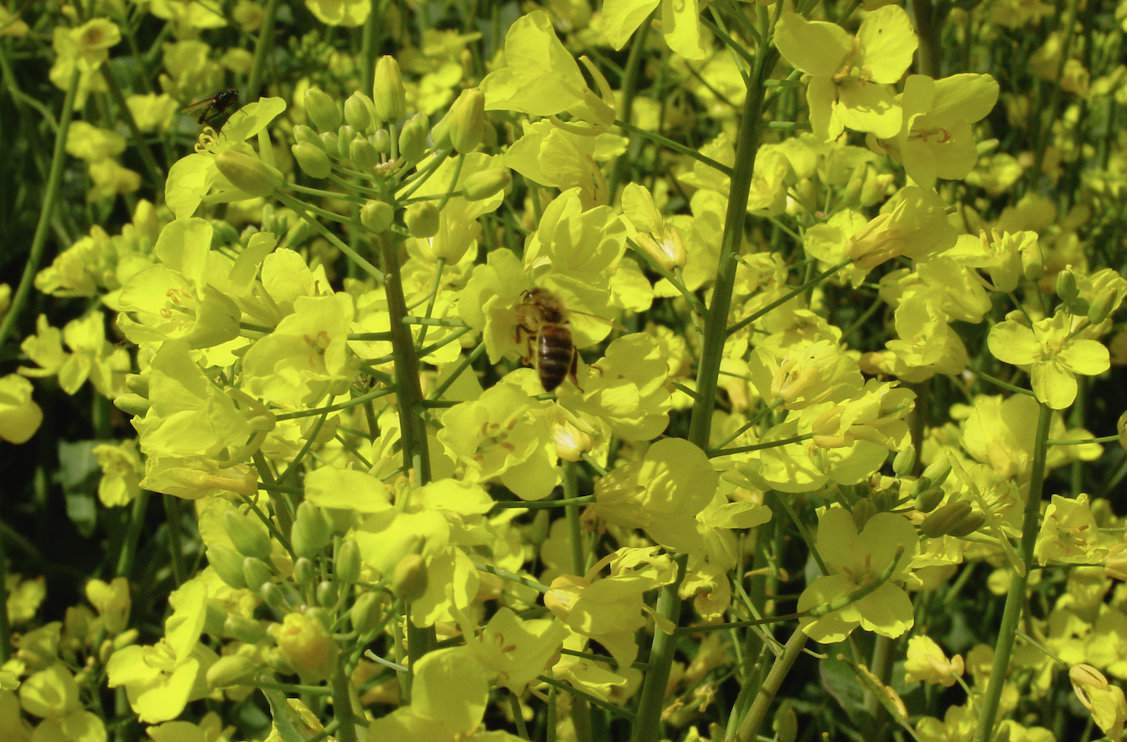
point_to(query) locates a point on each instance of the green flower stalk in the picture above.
(1015, 598)
(648, 723)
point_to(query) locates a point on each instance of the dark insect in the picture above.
(216, 108)
(542, 321)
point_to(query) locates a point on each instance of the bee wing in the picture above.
(199, 103)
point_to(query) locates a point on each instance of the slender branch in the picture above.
(261, 49)
(50, 197)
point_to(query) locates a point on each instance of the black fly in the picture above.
(216, 108)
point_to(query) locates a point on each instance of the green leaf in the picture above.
(283, 716)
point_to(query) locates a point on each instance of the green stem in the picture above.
(173, 517)
(567, 502)
(757, 714)
(313, 411)
(337, 242)
(930, 57)
(412, 420)
(152, 170)
(50, 196)
(261, 49)
(761, 446)
(5, 627)
(763, 311)
(629, 92)
(1046, 131)
(1015, 599)
(648, 724)
(132, 534)
(677, 147)
(342, 706)
(580, 710)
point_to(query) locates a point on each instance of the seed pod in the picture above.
(228, 564)
(322, 109)
(234, 669)
(936, 472)
(389, 97)
(484, 184)
(312, 160)
(347, 563)
(256, 573)
(359, 111)
(377, 216)
(365, 613)
(248, 173)
(421, 220)
(249, 536)
(409, 579)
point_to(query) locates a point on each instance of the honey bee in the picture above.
(542, 321)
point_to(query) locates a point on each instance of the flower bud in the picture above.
(359, 111)
(125, 639)
(131, 404)
(862, 511)
(467, 120)
(571, 442)
(138, 384)
(381, 140)
(345, 135)
(945, 519)
(667, 249)
(330, 142)
(256, 573)
(1032, 266)
(363, 154)
(422, 219)
(312, 160)
(377, 216)
(486, 183)
(274, 596)
(322, 109)
(904, 461)
(248, 173)
(303, 571)
(249, 536)
(1067, 289)
(968, 525)
(389, 98)
(409, 579)
(928, 499)
(347, 563)
(413, 139)
(228, 564)
(302, 133)
(312, 531)
(234, 669)
(244, 629)
(306, 646)
(937, 471)
(1101, 307)
(326, 593)
(365, 613)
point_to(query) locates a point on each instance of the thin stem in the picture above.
(757, 714)
(763, 311)
(261, 49)
(173, 517)
(5, 627)
(761, 446)
(567, 502)
(648, 724)
(1015, 599)
(152, 169)
(50, 196)
(629, 92)
(1046, 131)
(677, 147)
(458, 371)
(580, 711)
(132, 534)
(376, 394)
(337, 242)
(929, 60)
(342, 705)
(412, 419)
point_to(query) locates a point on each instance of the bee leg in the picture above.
(574, 368)
(521, 332)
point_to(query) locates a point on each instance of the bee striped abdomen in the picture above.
(554, 354)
